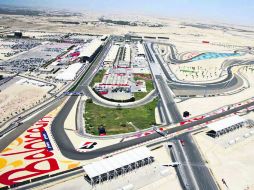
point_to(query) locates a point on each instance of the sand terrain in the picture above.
(228, 164)
(177, 30)
(19, 97)
(205, 105)
(234, 164)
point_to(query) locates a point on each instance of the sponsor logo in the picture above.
(88, 145)
(34, 155)
(47, 141)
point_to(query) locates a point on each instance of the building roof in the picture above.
(90, 49)
(120, 160)
(111, 56)
(127, 56)
(141, 50)
(47, 69)
(225, 123)
(70, 72)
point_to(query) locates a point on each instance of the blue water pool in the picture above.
(211, 55)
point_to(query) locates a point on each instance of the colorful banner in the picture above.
(32, 155)
(33, 158)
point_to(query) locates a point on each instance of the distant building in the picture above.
(127, 54)
(127, 38)
(205, 42)
(104, 38)
(18, 34)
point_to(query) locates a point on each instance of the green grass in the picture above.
(149, 85)
(98, 77)
(149, 88)
(115, 120)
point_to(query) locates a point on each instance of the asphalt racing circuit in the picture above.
(63, 141)
(68, 150)
(230, 83)
(167, 87)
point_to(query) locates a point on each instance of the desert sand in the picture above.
(234, 164)
(19, 97)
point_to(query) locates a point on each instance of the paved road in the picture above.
(69, 151)
(174, 115)
(173, 58)
(11, 136)
(105, 103)
(66, 146)
(197, 175)
(5, 126)
(86, 89)
(82, 87)
(169, 112)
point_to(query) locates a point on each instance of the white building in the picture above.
(140, 49)
(111, 56)
(127, 53)
(70, 73)
(88, 52)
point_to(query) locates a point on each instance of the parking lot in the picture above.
(12, 47)
(36, 57)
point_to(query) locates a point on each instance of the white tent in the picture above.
(118, 161)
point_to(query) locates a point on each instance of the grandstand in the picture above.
(120, 164)
(226, 125)
(89, 52)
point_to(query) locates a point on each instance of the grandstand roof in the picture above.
(115, 162)
(225, 123)
(70, 72)
(90, 49)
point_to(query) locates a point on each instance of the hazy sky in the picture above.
(232, 11)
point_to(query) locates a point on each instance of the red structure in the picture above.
(205, 42)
